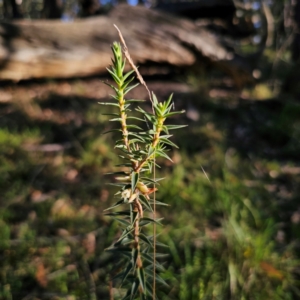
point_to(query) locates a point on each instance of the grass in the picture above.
(233, 235)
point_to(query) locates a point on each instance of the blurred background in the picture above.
(233, 224)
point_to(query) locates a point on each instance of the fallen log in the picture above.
(52, 49)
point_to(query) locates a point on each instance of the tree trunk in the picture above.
(89, 7)
(296, 42)
(39, 49)
(11, 10)
(52, 9)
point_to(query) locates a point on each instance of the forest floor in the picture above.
(233, 224)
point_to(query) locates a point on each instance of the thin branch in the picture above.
(154, 232)
(127, 55)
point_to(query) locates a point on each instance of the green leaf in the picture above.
(119, 249)
(130, 88)
(124, 241)
(137, 136)
(125, 84)
(115, 205)
(134, 126)
(134, 181)
(133, 141)
(141, 277)
(135, 254)
(134, 289)
(146, 179)
(126, 272)
(113, 115)
(174, 113)
(163, 154)
(117, 184)
(149, 258)
(157, 277)
(154, 98)
(114, 76)
(125, 107)
(161, 244)
(172, 127)
(159, 203)
(145, 239)
(113, 87)
(160, 255)
(135, 118)
(151, 151)
(168, 102)
(128, 74)
(145, 221)
(168, 142)
(115, 119)
(125, 234)
(145, 202)
(119, 213)
(109, 103)
(122, 221)
(112, 130)
(117, 173)
(135, 100)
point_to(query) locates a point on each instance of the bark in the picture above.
(223, 9)
(89, 7)
(296, 42)
(52, 9)
(12, 10)
(39, 49)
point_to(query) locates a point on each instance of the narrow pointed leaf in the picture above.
(126, 272)
(125, 84)
(113, 115)
(134, 289)
(115, 205)
(119, 249)
(149, 272)
(135, 118)
(142, 280)
(135, 254)
(146, 203)
(114, 76)
(168, 102)
(109, 103)
(117, 173)
(130, 88)
(172, 127)
(152, 180)
(128, 74)
(119, 213)
(159, 203)
(135, 100)
(174, 113)
(115, 119)
(145, 221)
(163, 154)
(112, 130)
(122, 221)
(149, 258)
(110, 85)
(134, 126)
(145, 239)
(168, 142)
(134, 181)
(155, 101)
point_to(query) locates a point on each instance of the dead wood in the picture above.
(50, 48)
